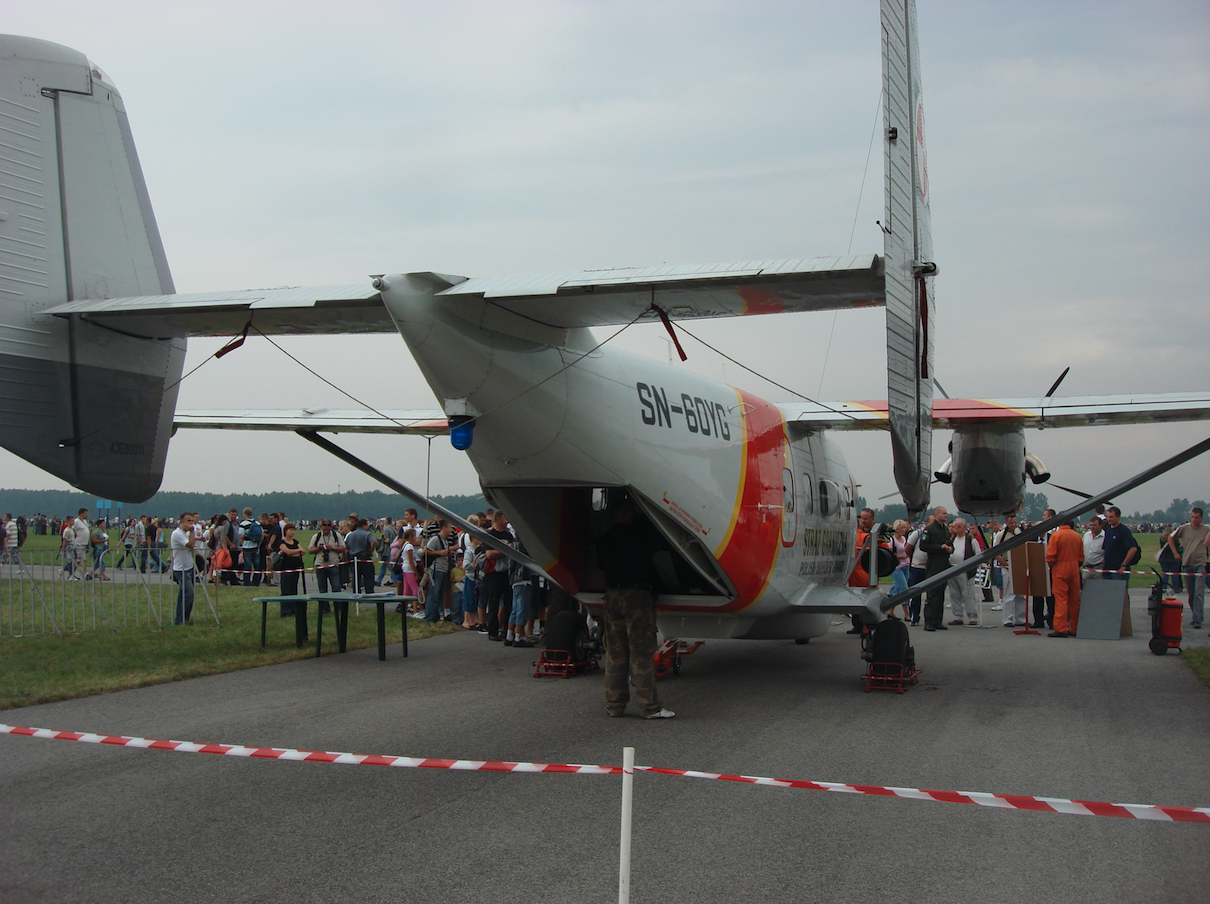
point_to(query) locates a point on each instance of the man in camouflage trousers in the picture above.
(624, 554)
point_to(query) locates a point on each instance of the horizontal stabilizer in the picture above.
(427, 422)
(584, 298)
(300, 310)
(590, 298)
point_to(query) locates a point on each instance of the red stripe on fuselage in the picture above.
(754, 539)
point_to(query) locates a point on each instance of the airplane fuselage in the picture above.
(760, 522)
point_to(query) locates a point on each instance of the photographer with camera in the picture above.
(327, 546)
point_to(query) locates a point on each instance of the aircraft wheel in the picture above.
(890, 647)
(802, 640)
(569, 631)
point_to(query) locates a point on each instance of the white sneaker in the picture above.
(997, 608)
(662, 714)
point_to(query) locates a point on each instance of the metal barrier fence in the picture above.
(53, 592)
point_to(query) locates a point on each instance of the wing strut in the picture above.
(420, 499)
(1038, 529)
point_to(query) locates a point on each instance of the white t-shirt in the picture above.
(182, 555)
(80, 526)
(920, 558)
(404, 560)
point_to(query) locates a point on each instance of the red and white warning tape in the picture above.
(309, 756)
(1190, 575)
(979, 798)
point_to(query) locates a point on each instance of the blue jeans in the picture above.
(470, 596)
(1195, 578)
(328, 576)
(251, 567)
(184, 596)
(915, 576)
(383, 570)
(899, 580)
(522, 593)
(434, 603)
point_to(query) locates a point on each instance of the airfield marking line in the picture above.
(979, 798)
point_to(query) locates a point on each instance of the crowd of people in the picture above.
(448, 575)
(441, 575)
(1105, 550)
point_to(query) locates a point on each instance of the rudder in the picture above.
(908, 246)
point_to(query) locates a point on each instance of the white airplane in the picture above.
(755, 501)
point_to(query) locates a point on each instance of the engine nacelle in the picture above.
(988, 468)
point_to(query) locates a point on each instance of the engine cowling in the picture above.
(988, 468)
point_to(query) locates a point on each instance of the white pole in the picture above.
(624, 847)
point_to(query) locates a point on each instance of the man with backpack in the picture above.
(251, 533)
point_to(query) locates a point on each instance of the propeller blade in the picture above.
(1060, 486)
(1052, 389)
(896, 493)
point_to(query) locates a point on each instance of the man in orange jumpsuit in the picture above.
(1065, 554)
(860, 577)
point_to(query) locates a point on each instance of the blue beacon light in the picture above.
(462, 432)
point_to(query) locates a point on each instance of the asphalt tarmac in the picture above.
(1091, 720)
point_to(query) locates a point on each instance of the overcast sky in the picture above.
(313, 143)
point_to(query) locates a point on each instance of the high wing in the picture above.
(1071, 411)
(1074, 411)
(583, 298)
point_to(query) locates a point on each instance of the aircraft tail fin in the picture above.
(908, 248)
(90, 404)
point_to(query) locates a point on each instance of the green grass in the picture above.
(1199, 660)
(47, 668)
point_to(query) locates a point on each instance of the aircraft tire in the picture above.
(568, 631)
(890, 645)
(802, 640)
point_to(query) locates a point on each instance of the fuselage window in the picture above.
(808, 494)
(825, 502)
(789, 520)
